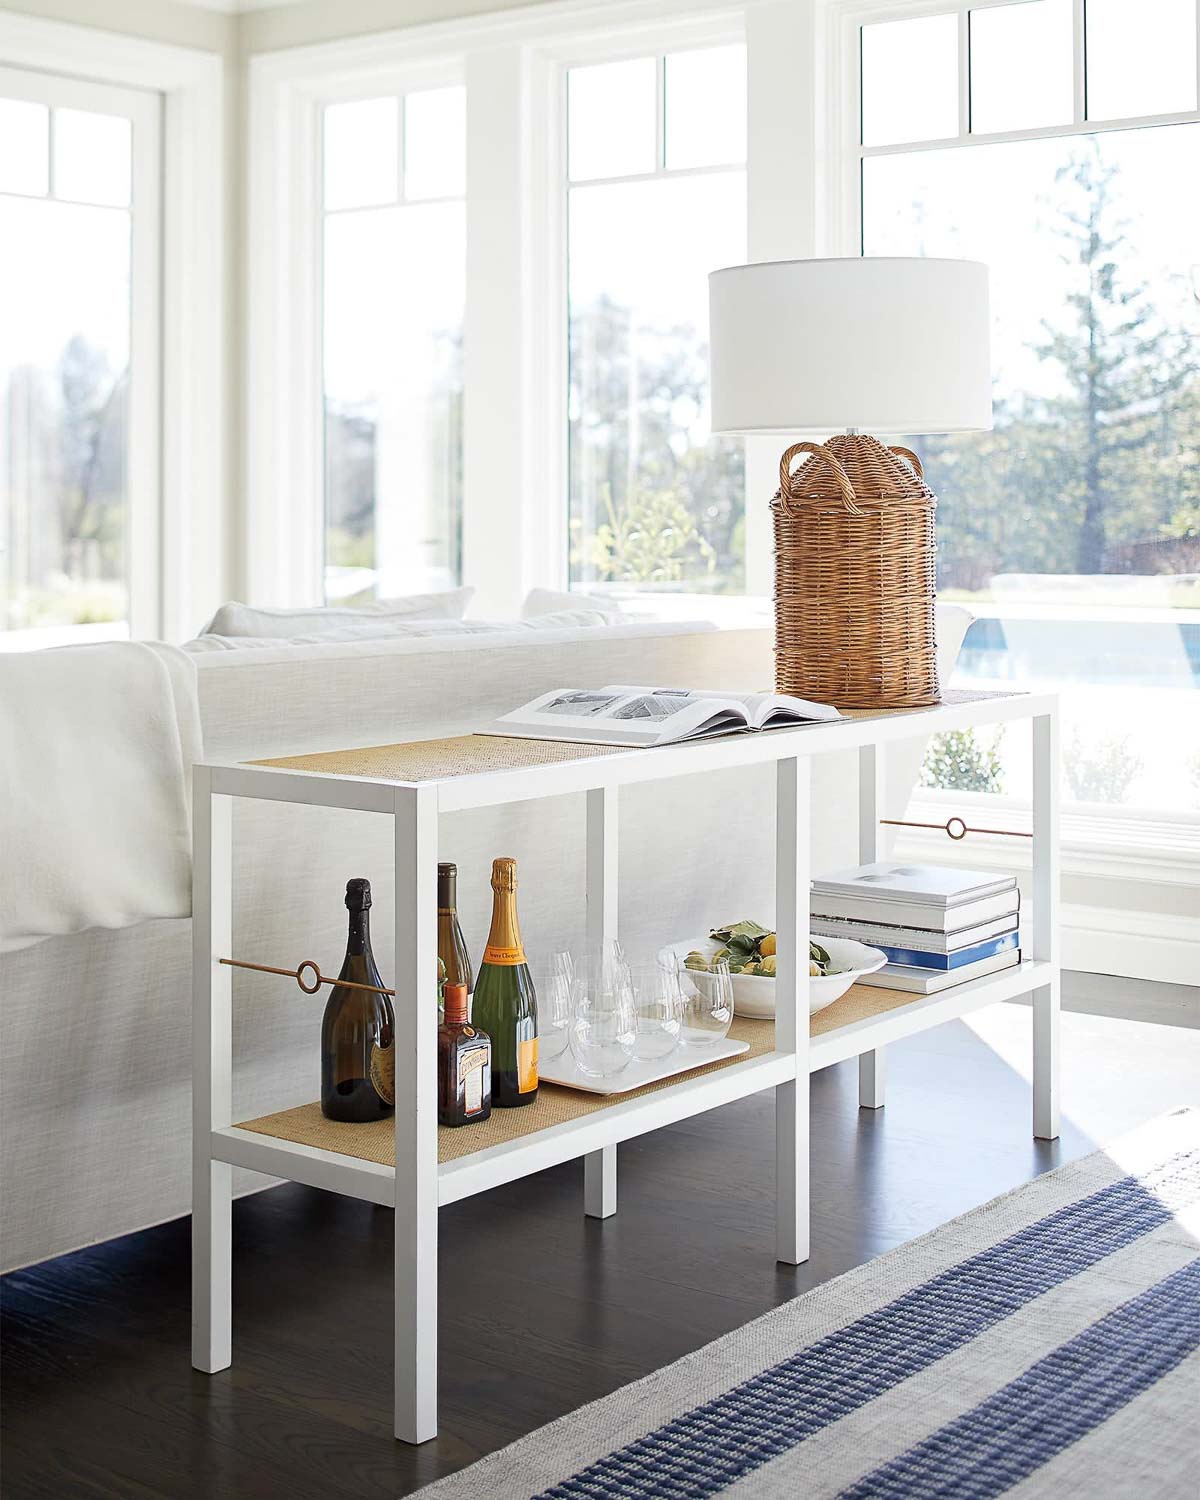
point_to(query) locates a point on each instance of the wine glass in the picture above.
(603, 1031)
(656, 1006)
(706, 1007)
(553, 983)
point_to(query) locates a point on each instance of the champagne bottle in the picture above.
(464, 1064)
(451, 945)
(358, 1064)
(505, 1005)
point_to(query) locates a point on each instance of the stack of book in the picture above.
(938, 926)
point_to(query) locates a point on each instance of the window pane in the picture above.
(393, 400)
(362, 153)
(655, 500)
(1141, 59)
(93, 157)
(1022, 66)
(24, 147)
(1071, 529)
(64, 390)
(706, 107)
(910, 80)
(435, 143)
(611, 128)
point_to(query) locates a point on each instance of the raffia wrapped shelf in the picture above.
(854, 576)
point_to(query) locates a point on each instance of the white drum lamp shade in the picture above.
(847, 349)
(885, 345)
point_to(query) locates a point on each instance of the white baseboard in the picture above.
(1136, 944)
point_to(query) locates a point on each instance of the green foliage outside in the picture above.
(961, 761)
(1103, 477)
(1100, 770)
(652, 539)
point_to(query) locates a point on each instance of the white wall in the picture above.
(295, 25)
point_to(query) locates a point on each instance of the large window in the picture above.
(79, 361)
(656, 150)
(394, 246)
(1073, 529)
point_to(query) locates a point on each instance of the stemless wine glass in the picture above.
(706, 1007)
(603, 1031)
(656, 1006)
(553, 981)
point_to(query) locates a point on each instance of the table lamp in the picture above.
(865, 345)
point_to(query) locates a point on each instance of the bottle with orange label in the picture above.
(505, 1005)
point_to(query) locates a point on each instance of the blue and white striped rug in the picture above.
(1045, 1344)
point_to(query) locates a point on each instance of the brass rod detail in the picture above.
(961, 832)
(298, 975)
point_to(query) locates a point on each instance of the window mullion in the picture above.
(1079, 59)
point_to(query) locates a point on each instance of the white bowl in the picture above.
(754, 994)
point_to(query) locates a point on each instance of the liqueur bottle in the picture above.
(451, 945)
(358, 1063)
(464, 1064)
(505, 1005)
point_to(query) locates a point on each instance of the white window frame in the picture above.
(143, 452)
(188, 557)
(721, 29)
(1119, 843)
(515, 329)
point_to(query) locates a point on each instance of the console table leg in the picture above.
(872, 1072)
(212, 1069)
(1046, 1062)
(416, 1217)
(600, 1167)
(872, 1078)
(1044, 930)
(600, 1183)
(791, 1008)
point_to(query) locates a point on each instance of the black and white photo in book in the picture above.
(644, 716)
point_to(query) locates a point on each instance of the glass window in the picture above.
(706, 107)
(1021, 66)
(93, 157)
(394, 282)
(656, 502)
(910, 80)
(362, 153)
(24, 147)
(435, 144)
(1141, 59)
(1073, 529)
(611, 129)
(65, 390)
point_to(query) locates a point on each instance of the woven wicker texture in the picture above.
(854, 576)
(436, 760)
(377, 1142)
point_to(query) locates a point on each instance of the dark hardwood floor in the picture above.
(541, 1310)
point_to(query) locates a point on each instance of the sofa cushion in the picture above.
(388, 629)
(554, 601)
(241, 620)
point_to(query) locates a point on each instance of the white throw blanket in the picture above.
(96, 750)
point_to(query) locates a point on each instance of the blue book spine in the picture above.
(917, 959)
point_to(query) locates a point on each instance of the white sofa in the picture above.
(94, 1081)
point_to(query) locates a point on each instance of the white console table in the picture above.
(418, 1182)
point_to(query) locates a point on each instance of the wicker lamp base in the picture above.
(855, 576)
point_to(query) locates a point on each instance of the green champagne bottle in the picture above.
(505, 1005)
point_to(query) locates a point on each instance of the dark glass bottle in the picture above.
(464, 1064)
(505, 1005)
(358, 1064)
(451, 945)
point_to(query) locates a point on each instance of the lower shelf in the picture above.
(848, 1026)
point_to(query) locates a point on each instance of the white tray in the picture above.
(563, 1071)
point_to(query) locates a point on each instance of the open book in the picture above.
(639, 716)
